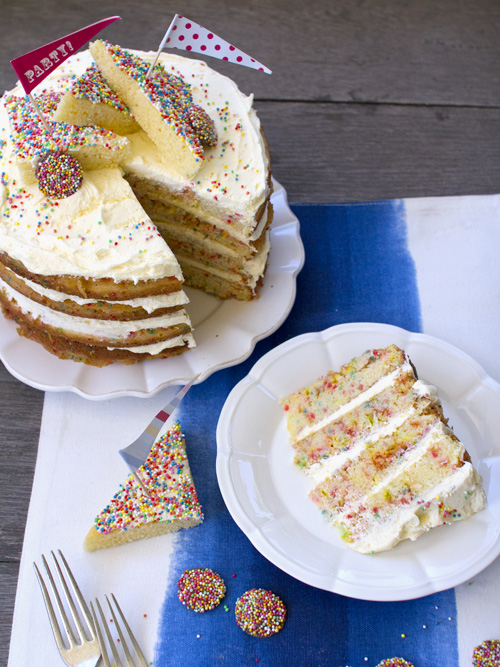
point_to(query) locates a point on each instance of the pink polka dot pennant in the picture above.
(190, 36)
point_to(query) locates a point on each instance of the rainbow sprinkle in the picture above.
(487, 654)
(59, 175)
(171, 493)
(201, 589)
(260, 613)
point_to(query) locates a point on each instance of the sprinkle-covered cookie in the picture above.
(260, 613)
(59, 175)
(203, 125)
(487, 654)
(201, 589)
(394, 662)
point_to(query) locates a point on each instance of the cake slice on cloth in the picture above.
(164, 501)
(90, 101)
(383, 461)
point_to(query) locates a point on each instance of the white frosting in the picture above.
(150, 303)
(102, 329)
(156, 348)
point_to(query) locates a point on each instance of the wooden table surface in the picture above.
(369, 99)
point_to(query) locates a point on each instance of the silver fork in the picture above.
(82, 649)
(123, 643)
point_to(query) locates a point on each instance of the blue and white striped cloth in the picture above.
(426, 265)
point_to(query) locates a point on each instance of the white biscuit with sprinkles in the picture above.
(164, 501)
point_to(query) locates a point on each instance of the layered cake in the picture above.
(100, 230)
(160, 498)
(384, 465)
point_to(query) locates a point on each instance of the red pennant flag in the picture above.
(33, 67)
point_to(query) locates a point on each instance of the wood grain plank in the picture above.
(348, 152)
(386, 51)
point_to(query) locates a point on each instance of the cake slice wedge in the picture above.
(159, 103)
(90, 101)
(384, 464)
(164, 501)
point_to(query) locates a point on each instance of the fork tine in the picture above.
(50, 610)
(116, 657)
(100, 638)
(136, 646)
(81, 601)
(64, 617)
(123, 641)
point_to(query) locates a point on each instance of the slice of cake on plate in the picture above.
(165, 499)
(384, 464)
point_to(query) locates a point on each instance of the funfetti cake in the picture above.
(217, 220)
(165, 499)
(98, 234)
(383, 462)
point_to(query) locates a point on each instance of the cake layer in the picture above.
(131, 309)
(312, 408)
(402, 488)
(384, 464)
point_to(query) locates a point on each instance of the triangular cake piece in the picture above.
(171, 502)
(90, 101)
(94, 147)
(160, 104)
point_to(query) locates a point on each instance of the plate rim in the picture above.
(188, 369)
(268, 550)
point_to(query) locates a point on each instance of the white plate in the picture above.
(267, 495)
(225, 331)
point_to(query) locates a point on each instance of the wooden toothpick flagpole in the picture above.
(39, 112)
(162, 44)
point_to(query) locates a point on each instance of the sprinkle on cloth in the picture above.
(487, 654)
(201, 589)
(394, 662)
(59, 175)
(260, 613)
